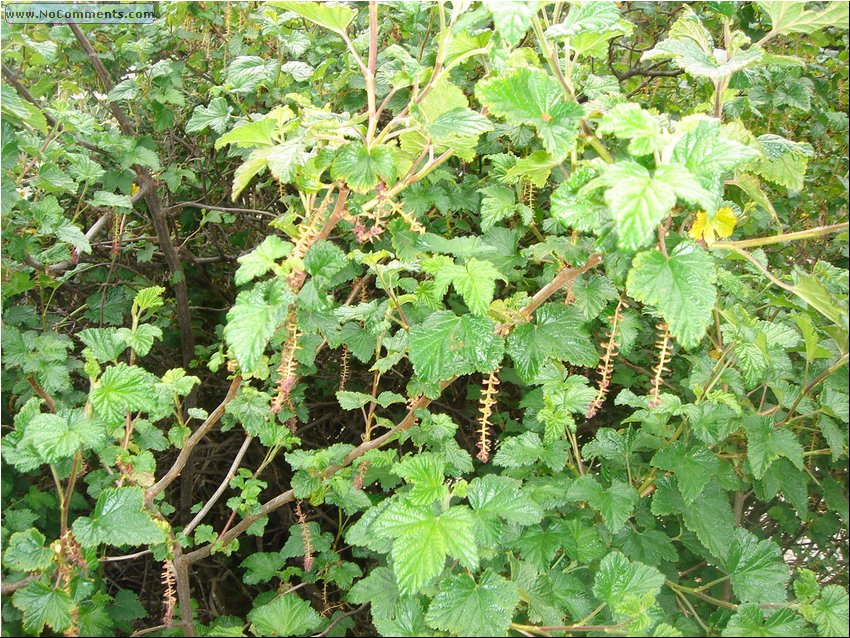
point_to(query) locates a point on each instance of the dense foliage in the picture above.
(454, 318)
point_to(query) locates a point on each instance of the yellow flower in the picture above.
(721, 225)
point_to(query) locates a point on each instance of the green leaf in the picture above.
(250, 135)
(459, 121)
(749, 620)
(497, 203)
(465, 607)
(629, 588)
(814, 293)
(42, 606)
(586, 17)
(640, 201)
(494, 496)
(756, 569)
(246, 72)
(559, 332)
(766, 443)
(649, 546)
(533, 97)
(215, 117)
(361, 168)
(511, 19)
(535, 168)
(262, 567)
(592, 293)
(253, 320)
(123, 388)
(352, 400)
(615, 504)
(476, 283)
(149, 298)
(445, 346)
(119, 518)
(26, 552)
(262, 259)
(793, 17)
(463, 46)
(141, 339)
(20, 111)
(59, 436)
(519, 451)
(629, 121)
(336, 18)
(690, 46)
(426, 473)
(694, 467)
(831, 611)
(711, 520)
(105, 199)
(286, 615)
(680, 285)
(422, 540)
(784, 161)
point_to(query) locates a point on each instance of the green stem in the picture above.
(779, 239)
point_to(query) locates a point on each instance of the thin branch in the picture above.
(51, 403)
(225, 209)
(339, 619)
(221, 488)
(192, 441)
(11, 588)
(823, 375)
(780, 239)
(560, 280)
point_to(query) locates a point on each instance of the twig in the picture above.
(192, 441)
(223, 486)
(339, 619)
(51, 404)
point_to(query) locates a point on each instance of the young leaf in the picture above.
(422, 540)
(122, 388)
(361, 168)
(680, 285)
(465, 607)
(262, 259)
(333, 17)
(119, 518)
(533, 97)
(286, 615)
(559, 332)
(253, 319)
(445, 345)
